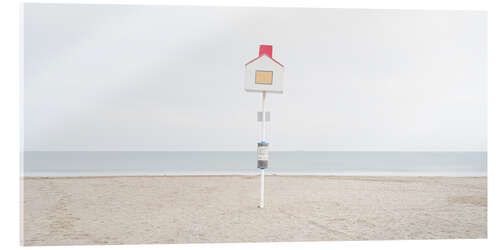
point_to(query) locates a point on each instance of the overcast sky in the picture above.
(111, 77)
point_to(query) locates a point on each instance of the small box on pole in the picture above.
(262, 154)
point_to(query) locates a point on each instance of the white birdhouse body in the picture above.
(264, 73)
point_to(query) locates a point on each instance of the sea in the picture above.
(133, 163)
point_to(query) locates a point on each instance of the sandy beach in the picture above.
(203, 209)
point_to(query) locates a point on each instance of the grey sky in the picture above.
(111, 77)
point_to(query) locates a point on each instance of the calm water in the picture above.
(297, 162)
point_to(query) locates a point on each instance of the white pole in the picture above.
(263, 125)
(263, 139)
(262, 188)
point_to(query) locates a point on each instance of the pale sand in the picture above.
(129, 210)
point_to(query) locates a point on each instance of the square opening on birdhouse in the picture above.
(263, 77)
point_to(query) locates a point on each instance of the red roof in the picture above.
(265, 50)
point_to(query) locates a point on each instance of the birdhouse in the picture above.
(264, 73)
